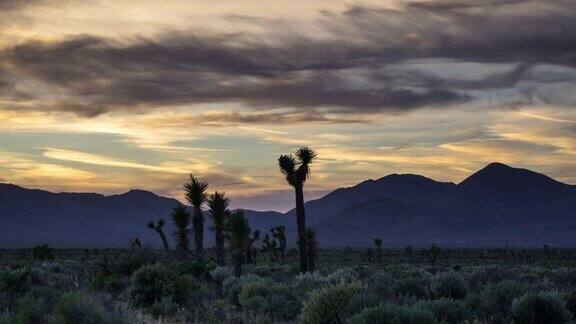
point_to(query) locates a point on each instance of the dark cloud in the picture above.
(348, 72)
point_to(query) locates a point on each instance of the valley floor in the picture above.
(349, 286)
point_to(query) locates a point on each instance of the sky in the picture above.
(106, 96)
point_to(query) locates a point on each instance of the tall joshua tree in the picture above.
(296, 171)
(196, 195)
(279, 232)
(218, 203)
(311, 245)
(181, 220)
(237, 234)
(158, 227)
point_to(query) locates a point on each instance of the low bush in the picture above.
(540, 308)
(447, 311)
(495, 300)
(569, 298)
(343, 276)
(77, 307)
(329, 304)
(448, 285)
(385, 314)
(151, 283)
(410, 287)
(165, 307)
(266, 297)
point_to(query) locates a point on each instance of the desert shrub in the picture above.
(77, 307)
(488, 274)
(495, 300)
(361, 301)
(165, 307)
(110, 283)
(410, 287)
(387, 313)
(449, 285)
(151, 283)
(127, 262)
(220, 274)
(31, 310)
(447, 311)
(343, 276)
(381, 283)
(231, 287)
(305, 282)
(262, 270)
(539, 308)
(200, 269)
(15, 281)
(569, 298)
(329, 304)
(43, 252)
(264, 296)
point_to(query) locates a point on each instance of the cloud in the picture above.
(351, 67)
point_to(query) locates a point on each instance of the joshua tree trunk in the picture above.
(301, 223)
(248, 253)
(238, 260)
(219, 238)
(198, 223)
(164, 240)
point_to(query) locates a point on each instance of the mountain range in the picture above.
(496, 206)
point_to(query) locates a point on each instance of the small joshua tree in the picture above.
(135, 243)
(279, 232)
(238, 234)
(158, 227)
(433, 254)
(378, 243)
(196, 195)
(181, 220)
(218, 203)
(250, 246)
(408, 250)
(271, 246)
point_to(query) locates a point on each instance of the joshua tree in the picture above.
(181, 220)
(237, 233)
(311, 245)
(135, 243)
(296, 171)
(218, 203)
(378, 243)
(196, 196)
(250, 246)
(279, 232)
(158, 226)
(271, 246)
(433, 253)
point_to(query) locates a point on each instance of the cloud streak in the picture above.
(349, 68)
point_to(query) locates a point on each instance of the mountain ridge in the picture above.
(498, 204)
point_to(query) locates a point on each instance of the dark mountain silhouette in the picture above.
(498, 205)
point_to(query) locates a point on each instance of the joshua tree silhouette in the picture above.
(279, 232)
(311, 245)
(181, 220)
(238, 234)
(296, 171)
(196, 195)
(158, 227)
(218, 203)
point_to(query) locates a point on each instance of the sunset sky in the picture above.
(105, 96)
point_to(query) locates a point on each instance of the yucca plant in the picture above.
(219, 203)
(181, 220)
(158, 227)
(271, 246)
(296, 170)
(195, 191)
(237, 233)
(279, 232)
